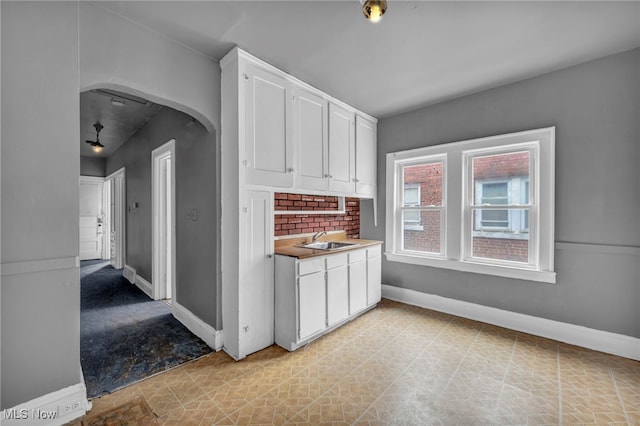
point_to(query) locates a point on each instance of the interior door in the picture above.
(91, 217)
(257, 289)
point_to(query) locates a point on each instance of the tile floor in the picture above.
(399, 364)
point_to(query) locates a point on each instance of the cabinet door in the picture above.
(268, 128)
(311, 140)
(366, 141)
(312, 314)
(341, 149)
(374, 280)
(337, 295)
(357, 286)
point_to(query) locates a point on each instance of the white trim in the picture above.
(158, 266)
(68, 404)
(599, 248)
(144, 285)
(118, 185)
(41, 265)
(478, 268)
(210, 335)
(603, 341)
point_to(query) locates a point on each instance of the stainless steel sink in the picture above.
(328, 245)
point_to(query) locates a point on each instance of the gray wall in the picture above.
(40, 168)
(196, 241)
(596, 108)
(93, 166)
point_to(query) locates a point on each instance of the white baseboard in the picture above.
(55, 408)
(210, 335)
(144, 285)
(603, 341)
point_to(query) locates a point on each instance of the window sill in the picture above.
(478, 268)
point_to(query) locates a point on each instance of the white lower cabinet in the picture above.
(315, 295)
(374, 275)
(312, 316)
(337, 295)
(357, 281)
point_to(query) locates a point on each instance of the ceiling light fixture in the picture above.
(96, 145)
(374, 9)
(117, 102)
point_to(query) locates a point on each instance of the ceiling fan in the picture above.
(96, 145)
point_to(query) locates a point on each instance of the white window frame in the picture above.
(456, 221)
(469, 204)
(399, 207)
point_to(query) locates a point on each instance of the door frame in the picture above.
(117, 180)
(159, 219)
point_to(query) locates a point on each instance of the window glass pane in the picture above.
(493, 219)
(492, 175)
(412, 195)
(412, 216)
(423, 236)
(426, 177)
(499, 244)
(494, 193)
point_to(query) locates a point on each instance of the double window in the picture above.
(484, 205)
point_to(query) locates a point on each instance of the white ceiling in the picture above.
(420, 53)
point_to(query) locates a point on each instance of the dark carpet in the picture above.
(124, 335)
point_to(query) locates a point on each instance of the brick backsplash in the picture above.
(290, 224)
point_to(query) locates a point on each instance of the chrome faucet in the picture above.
(318, 235)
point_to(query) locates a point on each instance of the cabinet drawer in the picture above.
(337, 260)
(374, 251)
(310, 266)
(357, 256)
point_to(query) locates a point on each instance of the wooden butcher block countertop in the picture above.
(288, 246)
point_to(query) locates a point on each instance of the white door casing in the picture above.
(116, 218)
(163, 258)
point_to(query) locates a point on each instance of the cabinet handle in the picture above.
(269, 256)
(356, 180)
(246, 77)
(290, 169)
(328, 176)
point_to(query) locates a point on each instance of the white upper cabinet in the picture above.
(311, 140)
(366, 149)
(284, 134)
(268, 127)
(341, 149)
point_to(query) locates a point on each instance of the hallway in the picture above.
(124, 335)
